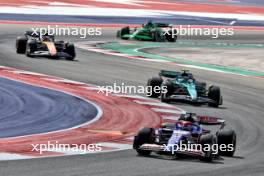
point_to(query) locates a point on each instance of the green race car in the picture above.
(157, 32)
(182, 86)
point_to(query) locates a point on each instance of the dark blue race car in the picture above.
(187, 137)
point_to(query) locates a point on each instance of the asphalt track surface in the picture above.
(243, 110)
(27, 109)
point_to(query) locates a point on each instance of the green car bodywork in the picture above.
(149, 32)
(182, 80)
(182, 86)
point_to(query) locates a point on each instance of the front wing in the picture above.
(162, 148)
(187, 98)
(47, 54)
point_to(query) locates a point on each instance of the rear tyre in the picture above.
(206, 141)
(145, 136)
(21, 45)
(152, 85)
(215, 95)
(70, 49)
(228, 138)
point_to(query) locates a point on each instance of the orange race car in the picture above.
(35, 45)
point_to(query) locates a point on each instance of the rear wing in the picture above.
(169, 74)
(163, 25)
(209, 120)
(32, 34)
(37, 34)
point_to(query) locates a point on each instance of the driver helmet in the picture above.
(149, 24)
(190, 117)
(45, 38)
(184, 74)
(178, 126)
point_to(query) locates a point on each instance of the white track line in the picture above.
(153, 103)
(72, 151)
(11, 156)
(27, 73)
(130, 96)
(167, 110)
(118, 146)
(170, 117)
(64, 81)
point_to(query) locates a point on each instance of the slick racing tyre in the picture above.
(125, 31)
(21, 45)
(170, 36)
(215, 95)
(228, 138)
(145, 136)
(205, 141)
(122, 32)
(70, 49)
(152, 85)
(158, 36)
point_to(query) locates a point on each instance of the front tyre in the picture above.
(152, 85)
(171, 36)
(122, 32)
(145, 136)
(158, 36)
(21, 45)
(70, 49)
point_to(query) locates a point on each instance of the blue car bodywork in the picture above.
(186, 137)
